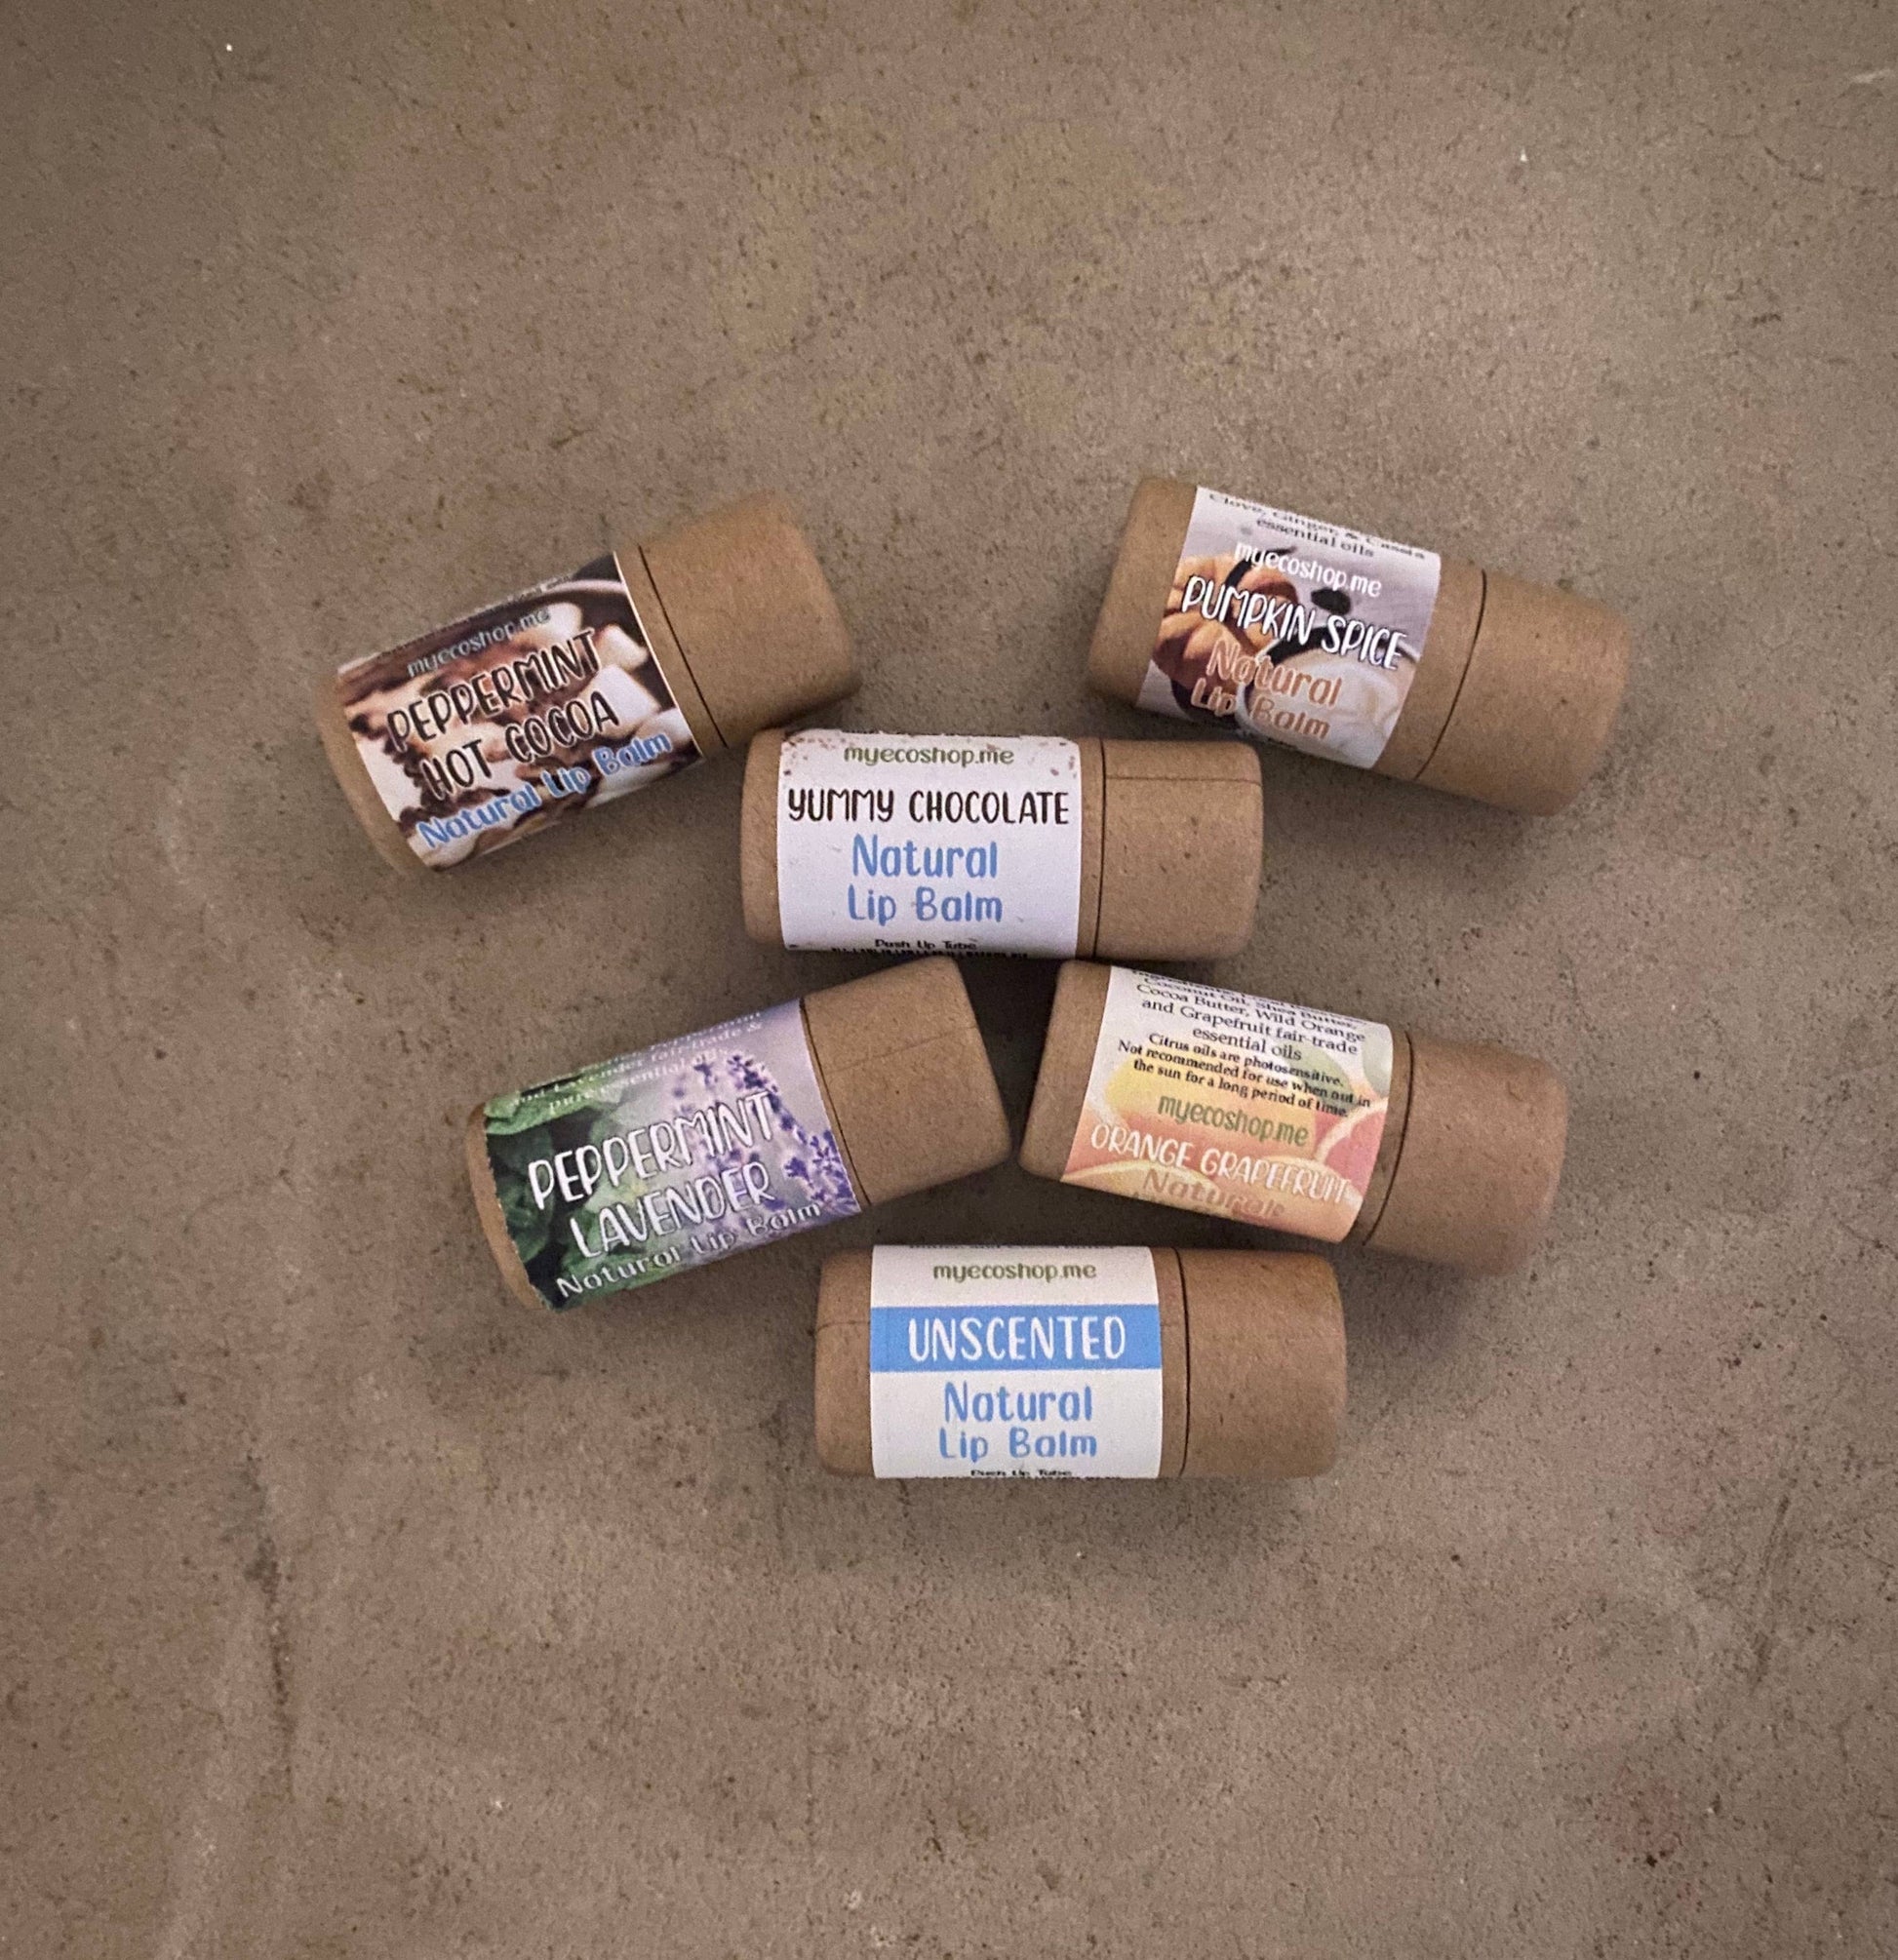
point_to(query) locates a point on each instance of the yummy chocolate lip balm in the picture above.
(1378, 654)
(1078, 1362)
(1001, 844)
(584, 689)
(1296, 1121)
(713, 1143)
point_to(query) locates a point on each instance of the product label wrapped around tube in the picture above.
(506, 720)
(1225, 1102)
(671, 1158)
(929, 843)
(1023, 1361)
(1294, 630)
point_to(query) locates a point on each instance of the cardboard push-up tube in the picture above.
(991, 843)
(714, 1143)
(1227, 612)
(1296, 1121)
(575, 693)
(1250, 1360)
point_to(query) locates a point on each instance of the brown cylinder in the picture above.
(570, 695)
(709, 1144)
(1468, 1156)
(1511, 701)
(1252, 1354)
(1169, 864)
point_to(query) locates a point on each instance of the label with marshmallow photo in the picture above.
(513, 718)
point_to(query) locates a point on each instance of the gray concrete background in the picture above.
(349, 1610)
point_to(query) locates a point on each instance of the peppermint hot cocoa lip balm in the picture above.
(571, 694)
(713, 1143)
(1078, 1362)
(1347, 645)
(1001, 844)
(1301, 1121)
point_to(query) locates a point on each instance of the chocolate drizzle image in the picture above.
(480, 732)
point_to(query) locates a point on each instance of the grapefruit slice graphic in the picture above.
(1351, 1149)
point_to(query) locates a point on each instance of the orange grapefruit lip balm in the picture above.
(1296, 1121)
(1020, 1361)
(1382, 655)
(1001, 844)
(570, 695)
(710, 1144)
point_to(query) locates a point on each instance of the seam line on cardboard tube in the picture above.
(830, 1107)
(1403, 1138)
(679, 642)
(1462, 680)
(1100, 864)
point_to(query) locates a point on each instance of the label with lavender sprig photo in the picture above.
(674, 1156)
(1291, 629)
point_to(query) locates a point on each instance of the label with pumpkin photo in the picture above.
(1291, 629)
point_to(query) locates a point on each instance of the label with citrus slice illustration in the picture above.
(1248, 1109)
(1294, 630)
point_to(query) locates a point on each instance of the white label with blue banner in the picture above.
(1023, 1361)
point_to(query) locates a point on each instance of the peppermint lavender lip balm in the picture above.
(710, 1144)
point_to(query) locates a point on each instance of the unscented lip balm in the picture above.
(584, 689)
(1078, 1362)
(1041, 844)
(1295, 1119)
(1233, 613)
(713, 1143)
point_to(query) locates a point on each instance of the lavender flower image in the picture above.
(670, 1158)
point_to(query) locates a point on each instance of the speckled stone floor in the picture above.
(350, 1610)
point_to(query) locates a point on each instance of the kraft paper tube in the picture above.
(1252, 1351)
(1468, 1160)
(1513, 696)
(570, 695)
(907, 1079)
(1171, 846)
(902, 1097)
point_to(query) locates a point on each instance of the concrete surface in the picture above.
(350, 1610)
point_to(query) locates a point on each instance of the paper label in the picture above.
(670, 1158)
(1226, 1103)
(510, 718)
(1022, 1362)
(1294, 630)
(929, 843)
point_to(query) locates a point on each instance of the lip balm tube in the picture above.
(713, 1143)
(1294, 1120)
(1001, 844)
(1078, 1362)
(1391, 659)
(584, 689)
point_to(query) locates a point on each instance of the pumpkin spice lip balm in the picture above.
(713, 1143)
(1296, 1121)
(1001, 844)
(586, 687)
(1378, 654)
(1078, 1362)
